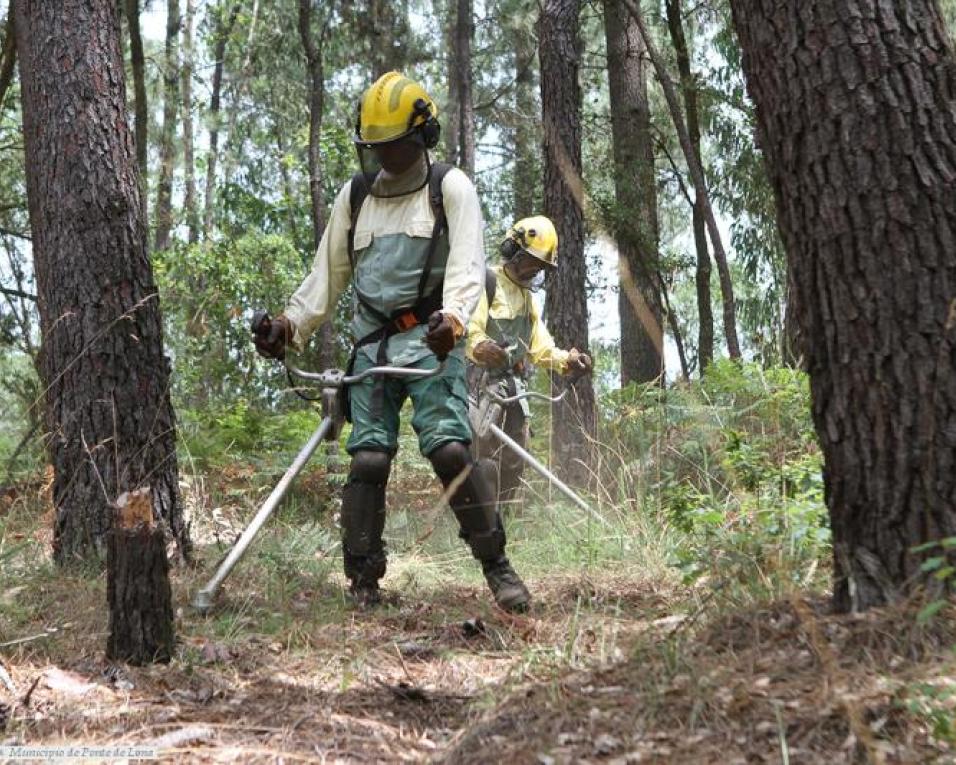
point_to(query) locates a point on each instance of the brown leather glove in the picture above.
(489, 354)
(578, 364)
(441, 335)
(272, 337)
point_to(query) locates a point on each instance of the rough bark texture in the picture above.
(688, 84)
(106, 379)
(464, 32)
(140, 107)
(190, 205)
(137, 585)
(167, 144)
(635, 213)
(856, 113)
(700, 184)
(573, 421)
(224, 27)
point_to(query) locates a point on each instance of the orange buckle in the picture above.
(406, 321)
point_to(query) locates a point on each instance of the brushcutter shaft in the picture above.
(203, 600)
(555, 481)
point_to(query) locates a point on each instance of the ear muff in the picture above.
(508, 249)
(429, 129)
(513, 244)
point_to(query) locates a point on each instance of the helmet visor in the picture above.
(394, 168)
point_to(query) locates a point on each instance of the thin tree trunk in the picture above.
(675, 331)
(700, 184)
(106, 379)
(141, 108)
(190, 204)
(464, 33)
(313, 55)
(526, 140)
(167, 146)
(573, 421)
(452, 123)
(635, 214)
(688, 84)
(8, 55)
(856, 114)
(223, 30)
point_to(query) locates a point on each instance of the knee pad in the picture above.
(449, 460)
(370, 467)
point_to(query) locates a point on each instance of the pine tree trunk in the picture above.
(223, 30)
(137, 584)
(451, 128)
(688, 84)
(167, 146)
(573, 420)
(856, 114)
(527, 178)
(190, 203)
(141, 108)
(106, 379)
(700, 184)
(635, 213)
(313, 55)
(464, 32)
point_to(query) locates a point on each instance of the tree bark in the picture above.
(573, 420)
(464, 33)
(314, 62)
(190, 205)
(527, 178)
(105, 377)
(137, 584)
(223, 30)
(688, 84)
(700, 184)
(451, 129)
(8, 55)
(635, 212)
(856, 114)
(141, 108)
(167, 146)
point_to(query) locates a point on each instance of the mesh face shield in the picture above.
(374, 157)
(528, 272)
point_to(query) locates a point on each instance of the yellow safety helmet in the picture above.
(393, 108)
(535, 236)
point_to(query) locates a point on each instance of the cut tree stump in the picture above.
(137, 585)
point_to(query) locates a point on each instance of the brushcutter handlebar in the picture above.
(336, 378)
(527, 394)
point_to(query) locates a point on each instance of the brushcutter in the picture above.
(331, 383)
(485, 420)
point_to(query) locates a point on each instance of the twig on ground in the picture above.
(29, 693)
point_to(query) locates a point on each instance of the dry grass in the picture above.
(616, 663)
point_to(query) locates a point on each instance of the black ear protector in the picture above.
(514, 243)
(430, 130)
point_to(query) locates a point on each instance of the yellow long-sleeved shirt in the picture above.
(513, 302)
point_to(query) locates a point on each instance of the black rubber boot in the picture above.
(363, 521)
(473, 503)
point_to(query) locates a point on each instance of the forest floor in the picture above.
(618, 661)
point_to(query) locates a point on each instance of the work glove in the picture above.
(489, 354)
(578, 364)
(271, 336)
(441, 335)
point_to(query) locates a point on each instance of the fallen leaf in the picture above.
(69, 683)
